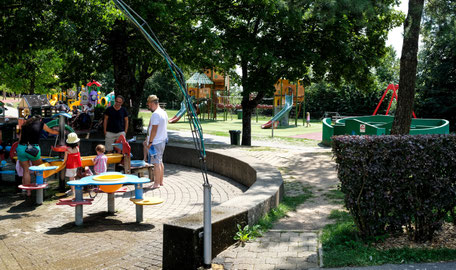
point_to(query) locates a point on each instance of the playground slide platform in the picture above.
(286, 109)
(179, 114)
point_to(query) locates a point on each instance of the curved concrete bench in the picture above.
(183, 239)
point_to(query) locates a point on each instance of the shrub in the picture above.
(392, 182)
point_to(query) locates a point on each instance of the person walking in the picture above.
(115, 122)
(28, 150)
(157, 137)
(308, 119)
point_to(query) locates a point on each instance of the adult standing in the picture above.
(30, 138)
(115, 122)
(157, 136)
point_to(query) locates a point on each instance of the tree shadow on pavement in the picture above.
(99, 222)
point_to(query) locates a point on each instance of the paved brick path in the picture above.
(45, 237)
(293, 241)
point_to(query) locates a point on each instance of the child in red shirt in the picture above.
(72, 159)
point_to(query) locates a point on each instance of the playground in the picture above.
(263, 77)
(220, 127)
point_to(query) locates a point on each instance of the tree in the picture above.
(437, 63)
(407, 77)
(269, 40)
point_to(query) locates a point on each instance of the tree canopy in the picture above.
(269, 40)
(437, 63)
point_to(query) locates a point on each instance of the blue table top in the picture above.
(88, 180)
(42, 168)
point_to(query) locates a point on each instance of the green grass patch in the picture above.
(220, 127)
(335, 196)
(288, 204)
(342, 247)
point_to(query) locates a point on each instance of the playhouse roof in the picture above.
(94, 82)
(199, 78)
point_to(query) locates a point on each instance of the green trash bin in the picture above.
(235, 137)
(239, 114)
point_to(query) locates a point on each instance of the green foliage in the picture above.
(342, 247)
(164, 86)
(35, 72)
(320, 40)
(335, 195)
(247, 233)
(392, 182)
(347, 99)
(435, 96)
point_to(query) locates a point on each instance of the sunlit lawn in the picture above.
(221, 127)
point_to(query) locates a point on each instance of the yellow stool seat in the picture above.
(147, 201)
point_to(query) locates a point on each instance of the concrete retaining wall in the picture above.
(183, 239)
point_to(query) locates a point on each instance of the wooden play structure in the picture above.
(213, 86)
(31, 105)
(282, 88)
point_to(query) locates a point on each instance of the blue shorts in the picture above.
(158, 157)
(23, 156)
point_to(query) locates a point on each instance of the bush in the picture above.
(392, 182)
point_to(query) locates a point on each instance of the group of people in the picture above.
(115, 124)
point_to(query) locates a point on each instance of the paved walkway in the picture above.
(45, 237)
(293, 241)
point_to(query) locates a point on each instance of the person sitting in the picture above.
(29, 138)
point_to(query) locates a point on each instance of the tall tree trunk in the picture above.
(246, 121)
(248, 107)
(407, 77)
(124, 79)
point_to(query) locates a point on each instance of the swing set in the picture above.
(394, 88)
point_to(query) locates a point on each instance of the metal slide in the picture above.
(179, 114)
(286, 109)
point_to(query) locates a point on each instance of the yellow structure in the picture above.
(282, 88)
(221, 87)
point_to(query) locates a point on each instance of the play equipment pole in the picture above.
(304, 108)
(272, 129)
(207, 225)
(195, 126)
(61, 154)
(296, 105)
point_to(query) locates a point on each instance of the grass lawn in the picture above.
(342, 247)
(220, 127)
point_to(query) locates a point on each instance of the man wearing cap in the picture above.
(157, 136)
(115, 122)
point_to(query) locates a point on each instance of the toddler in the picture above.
(100, 162)
(72, 159)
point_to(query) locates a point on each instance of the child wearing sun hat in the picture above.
(72, 159)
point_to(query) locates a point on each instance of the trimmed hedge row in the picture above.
(396, 182)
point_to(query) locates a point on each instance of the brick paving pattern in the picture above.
(45, 237)
(293, 241)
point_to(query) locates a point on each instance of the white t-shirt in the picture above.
(160, 118)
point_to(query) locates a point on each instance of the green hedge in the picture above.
(396, 182)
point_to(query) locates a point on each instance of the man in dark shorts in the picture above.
(115, 122)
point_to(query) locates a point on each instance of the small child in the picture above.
(308, 119)
(100, 162)
(72, 159)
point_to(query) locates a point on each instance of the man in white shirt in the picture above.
(157, 136)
